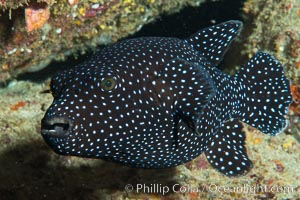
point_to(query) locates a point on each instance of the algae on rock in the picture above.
(54, 29)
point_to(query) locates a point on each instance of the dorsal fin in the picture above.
(212, 42)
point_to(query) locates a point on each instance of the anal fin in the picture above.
(227, 153)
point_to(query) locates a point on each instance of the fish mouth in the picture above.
(58, 127)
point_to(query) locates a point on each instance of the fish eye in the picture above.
(108, 84)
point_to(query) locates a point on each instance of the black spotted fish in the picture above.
(156, 102)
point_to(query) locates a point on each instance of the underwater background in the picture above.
(40, 38)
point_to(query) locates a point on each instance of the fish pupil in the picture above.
(108, 83)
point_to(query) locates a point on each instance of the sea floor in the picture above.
(31, 170)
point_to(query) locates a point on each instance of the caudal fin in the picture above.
(265, 94)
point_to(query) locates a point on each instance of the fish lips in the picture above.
(56, 127)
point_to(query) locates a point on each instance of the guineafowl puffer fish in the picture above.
(157, 102)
